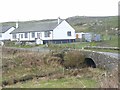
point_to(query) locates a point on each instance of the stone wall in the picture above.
(102, 60)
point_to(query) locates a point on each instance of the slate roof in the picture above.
(36, 26)
(4, 28)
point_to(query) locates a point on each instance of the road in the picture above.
(115, 55)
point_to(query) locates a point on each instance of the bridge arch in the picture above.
(90, 62)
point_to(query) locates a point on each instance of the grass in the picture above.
(83, 80)
(71, 82)
(20, 46)
(79, 45)
(12, 44)
(109, 43)
(22, 65)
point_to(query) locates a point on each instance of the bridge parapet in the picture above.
(102, 59)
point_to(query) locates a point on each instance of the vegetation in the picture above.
(73, 59)
(37, 70)
(94, 24)
(58, 69)
(68, 82)
(21, 45)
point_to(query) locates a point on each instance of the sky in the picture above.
(25, 10)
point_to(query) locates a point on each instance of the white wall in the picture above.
(18, 37)
(7, 35)
(60, 32)
(47, 38)
(42, 36)
(12, 39)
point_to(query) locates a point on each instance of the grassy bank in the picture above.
(23, 69)
(69, 82)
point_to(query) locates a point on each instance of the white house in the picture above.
(55, 31)
(5, 31)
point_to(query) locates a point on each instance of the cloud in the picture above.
(13, 10)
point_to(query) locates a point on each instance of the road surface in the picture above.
(115, 55)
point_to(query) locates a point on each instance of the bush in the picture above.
(73, 59)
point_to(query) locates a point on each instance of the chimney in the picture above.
(16, 25)
(59, 20)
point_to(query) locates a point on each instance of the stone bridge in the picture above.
(94, 59)
(104, 60)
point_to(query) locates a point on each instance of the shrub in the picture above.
(73, 59)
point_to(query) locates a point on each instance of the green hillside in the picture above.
(83, 24)
(94, 24)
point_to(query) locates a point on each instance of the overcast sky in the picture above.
(24, 10)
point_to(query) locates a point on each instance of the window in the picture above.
(47, 34)
(0, 34)
(21, 35)
(33, 34)
(69, 33)
(38, 35)
(14, 36)
(26, 35)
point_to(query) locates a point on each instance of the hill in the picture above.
(101, 25)
(94, 24)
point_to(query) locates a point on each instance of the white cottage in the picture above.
(55, 31)
(5, 31)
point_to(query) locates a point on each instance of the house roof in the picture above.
(36, 26)
(4, 28)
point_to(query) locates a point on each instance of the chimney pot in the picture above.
(59, 20)
(16, 25)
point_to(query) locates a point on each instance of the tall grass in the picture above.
(21, 66)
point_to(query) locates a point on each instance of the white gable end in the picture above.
(7, 35)
(61, 31)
